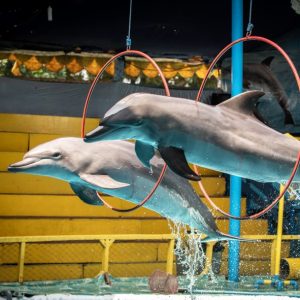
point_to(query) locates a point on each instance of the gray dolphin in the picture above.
(112, 168)
(259, 76)
(227, 137)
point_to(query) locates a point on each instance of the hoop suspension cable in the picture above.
(128, 38)
(250, 25)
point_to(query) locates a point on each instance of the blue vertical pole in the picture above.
(235, 182)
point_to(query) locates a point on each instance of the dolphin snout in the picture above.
(95, 134)
(23, 164)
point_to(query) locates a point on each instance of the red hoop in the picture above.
(87, 100)
(297, 78)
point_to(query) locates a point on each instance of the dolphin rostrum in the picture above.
(227, 137)
(259, 76)
(112, 168)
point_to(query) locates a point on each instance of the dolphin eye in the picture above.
(56, 155)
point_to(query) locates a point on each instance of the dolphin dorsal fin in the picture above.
(267, 61)
(244, 103)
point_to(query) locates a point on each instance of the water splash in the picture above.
(190, 254)
(294, 191)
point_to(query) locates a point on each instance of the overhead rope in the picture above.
(128, 37)
(86, 104)
(250, 26)
(297, 78)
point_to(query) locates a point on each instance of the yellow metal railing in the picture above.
(107, 240)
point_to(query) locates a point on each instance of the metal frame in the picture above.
(235, 181)
(105, 240)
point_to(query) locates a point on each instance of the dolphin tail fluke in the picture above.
(221, 236)
(235, 238)
(176, 161)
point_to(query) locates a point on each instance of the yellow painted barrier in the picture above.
(14, 226)
(259, 251)
(14, 142)
(20, 205)
(68, 126)
(248, 227)
(223, 203)
(290, 268)
(68, 206)
(215, 186)
(36, 139)
(7, 158)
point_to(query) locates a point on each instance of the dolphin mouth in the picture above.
(98, 133)
(23, 164)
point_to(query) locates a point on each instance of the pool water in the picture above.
(130, 286)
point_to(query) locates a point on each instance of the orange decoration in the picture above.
(169, 72)
(93, 68)
(216, 73)
(131, 70)
(12, 57)
(15, 69)
(111, 69)
(32, 64)
(150, 71)
(201, 72)
(186, 72)
(54, 65)
(73, 66)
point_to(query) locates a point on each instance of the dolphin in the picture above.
(259, 76)
(227, 137)
(113, 168)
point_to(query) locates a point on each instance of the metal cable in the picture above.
(250, 26)
(128, 38)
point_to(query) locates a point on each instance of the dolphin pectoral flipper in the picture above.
(144, 152)
(87, 195)
(103, 181)
(175, 159)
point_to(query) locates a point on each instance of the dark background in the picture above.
(159, 27)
